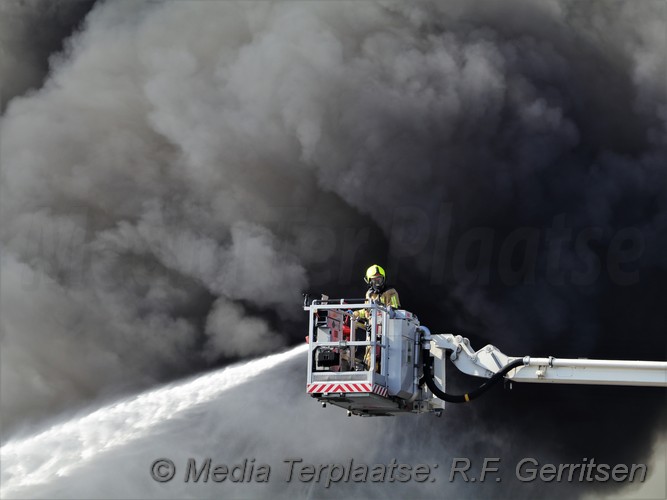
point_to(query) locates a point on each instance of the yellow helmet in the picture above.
(375, 276)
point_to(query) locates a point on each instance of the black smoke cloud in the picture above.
(189, 169)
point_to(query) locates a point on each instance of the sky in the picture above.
(175, 175)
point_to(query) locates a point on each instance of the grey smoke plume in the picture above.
(188, 169)
(32, 30)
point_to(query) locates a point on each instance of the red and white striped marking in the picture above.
(378, 389)
(338, 387)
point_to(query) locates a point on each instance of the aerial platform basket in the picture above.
(367, 363)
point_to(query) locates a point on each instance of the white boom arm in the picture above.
(490, 360)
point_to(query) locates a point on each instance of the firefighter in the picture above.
(377, 288)
(376, 279)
